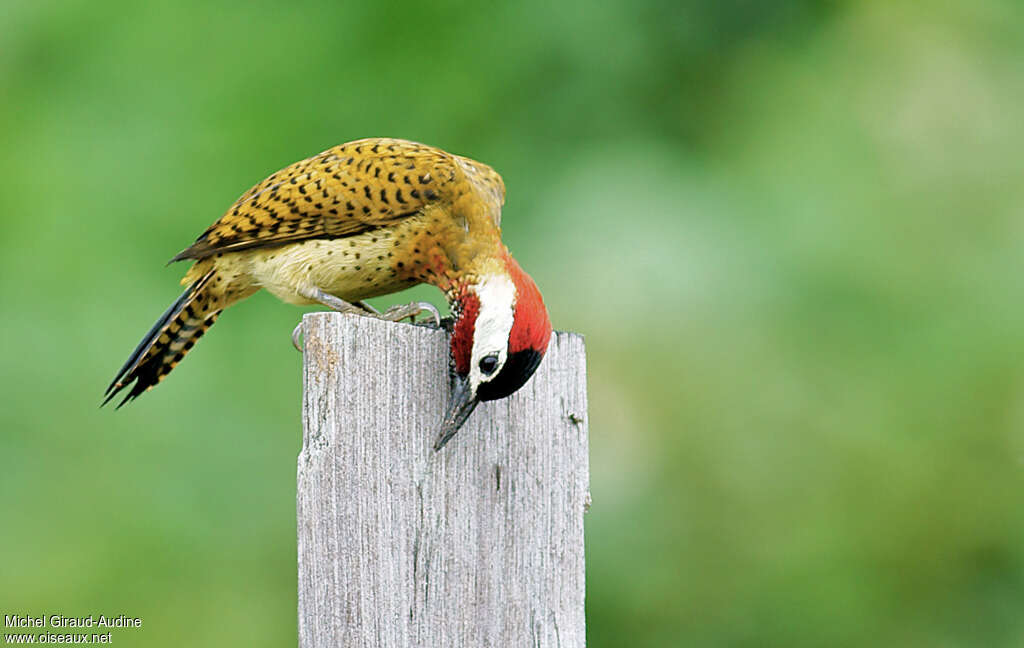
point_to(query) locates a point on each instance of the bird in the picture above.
(359, 220)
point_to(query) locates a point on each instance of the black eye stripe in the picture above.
(518, 368)
(488, 364)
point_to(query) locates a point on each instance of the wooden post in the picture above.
(480, 544)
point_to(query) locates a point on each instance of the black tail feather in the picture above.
(147, 366)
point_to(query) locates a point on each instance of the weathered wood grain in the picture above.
(480, 544)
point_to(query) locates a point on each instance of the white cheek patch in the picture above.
(497, 296)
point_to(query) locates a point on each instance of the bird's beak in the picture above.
(459, 408)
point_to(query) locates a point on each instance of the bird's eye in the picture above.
(488, 364)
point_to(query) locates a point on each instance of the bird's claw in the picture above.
(393, 314)
(411, 310)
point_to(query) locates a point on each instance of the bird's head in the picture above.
(500, 334)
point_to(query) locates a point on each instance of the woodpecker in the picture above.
(359, 220)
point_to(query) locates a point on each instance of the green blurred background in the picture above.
(790, 231)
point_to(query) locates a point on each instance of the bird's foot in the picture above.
(366, 307)
(393, 314)
(411, 310)
(334, 303)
